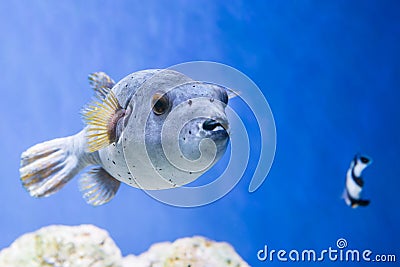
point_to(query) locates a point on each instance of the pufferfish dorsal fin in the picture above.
(101, 83)
(101, 117)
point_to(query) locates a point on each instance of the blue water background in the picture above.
(330, 71)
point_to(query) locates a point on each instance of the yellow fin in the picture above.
(98, 115)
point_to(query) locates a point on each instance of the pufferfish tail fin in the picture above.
(47, 167)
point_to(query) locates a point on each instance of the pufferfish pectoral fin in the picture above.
(101, 118)
(101, 83)
(98, 186)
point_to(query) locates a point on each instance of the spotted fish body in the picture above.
(126, 118)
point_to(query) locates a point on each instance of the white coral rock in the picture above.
(63, 246)
(187, 252)
(87, 245)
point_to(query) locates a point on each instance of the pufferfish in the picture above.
(118, 121)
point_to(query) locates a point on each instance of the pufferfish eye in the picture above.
(160, 103)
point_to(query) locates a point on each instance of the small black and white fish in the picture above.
(355, 183)
(124, 137)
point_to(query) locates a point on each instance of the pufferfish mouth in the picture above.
(215, 125)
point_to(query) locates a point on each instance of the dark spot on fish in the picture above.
(129, 172)
(119, 175)
(364, 160)
(119, 152)
(184, 138)
(190, 102)
(113, 144)
(190, 132)
(160, 169)
(211, 100)
(125, 139)
(190, 172)
(108, 159)
(113, 162)
(129, 178)
(194, 85)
